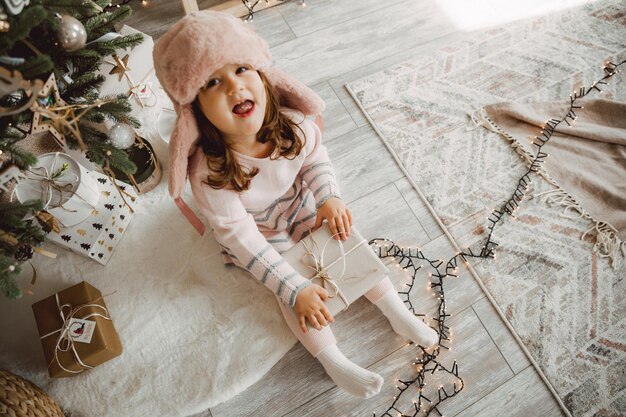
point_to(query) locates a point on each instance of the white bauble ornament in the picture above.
(71, 33)
(122, 136)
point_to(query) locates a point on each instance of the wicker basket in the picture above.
(21, 398)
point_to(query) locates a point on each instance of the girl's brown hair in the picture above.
(221, 161)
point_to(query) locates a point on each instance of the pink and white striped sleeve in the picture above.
(317, 170)
(237, 233)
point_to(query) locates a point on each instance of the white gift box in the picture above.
(150, 104)
(139, 79)
(69, 193)
(347, 269)
(98, 235)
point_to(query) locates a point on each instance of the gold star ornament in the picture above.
(120, 67)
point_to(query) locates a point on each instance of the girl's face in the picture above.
(234, 100)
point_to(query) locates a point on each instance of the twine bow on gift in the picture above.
(48, 182)
(321, 270)
(65, 342)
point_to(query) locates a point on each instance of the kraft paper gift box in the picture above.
(76, 330)
(347, 269)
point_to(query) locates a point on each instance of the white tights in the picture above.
(346, 374)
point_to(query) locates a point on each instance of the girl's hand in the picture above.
(310, 305)
(338, 216)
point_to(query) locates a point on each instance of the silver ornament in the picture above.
(71, 33)
(122, 136)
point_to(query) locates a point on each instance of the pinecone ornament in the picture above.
(24, 252)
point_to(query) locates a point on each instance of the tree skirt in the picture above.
(194, 332)
(564, 300)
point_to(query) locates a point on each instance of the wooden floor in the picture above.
(327, 44)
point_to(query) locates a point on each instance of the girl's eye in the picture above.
(214, 81)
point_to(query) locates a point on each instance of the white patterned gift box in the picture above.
(98, 235)
(347, 269)
(138, 79)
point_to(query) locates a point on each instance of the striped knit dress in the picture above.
(255, 227)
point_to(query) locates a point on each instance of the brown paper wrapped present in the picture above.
(346, 269)
(76, 330)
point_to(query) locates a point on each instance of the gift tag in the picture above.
(82, 330)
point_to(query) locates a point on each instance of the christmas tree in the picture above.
(50, 55)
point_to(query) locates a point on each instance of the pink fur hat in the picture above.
(186, 56)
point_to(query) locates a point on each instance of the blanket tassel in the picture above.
(607, 243)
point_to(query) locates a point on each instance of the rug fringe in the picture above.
(479, 118)
(607, 243)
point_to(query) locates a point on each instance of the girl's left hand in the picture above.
(338, 216)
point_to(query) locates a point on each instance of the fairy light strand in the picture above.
(413, 260)
(251, 5)
(408, 260)
(512, 203)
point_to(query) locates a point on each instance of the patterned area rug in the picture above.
(565, 301)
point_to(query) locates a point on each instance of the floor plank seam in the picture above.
(342, 102)
(486, 394)
(373, 191)
(415, 215)
(309, 401)
(492, 339)
(279, 10)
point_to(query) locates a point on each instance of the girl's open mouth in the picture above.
(244, 109)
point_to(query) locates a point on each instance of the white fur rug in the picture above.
(194, 331)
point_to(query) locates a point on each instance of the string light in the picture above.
(523, 184)
(250, 7)
(409, 257)
(390, 249)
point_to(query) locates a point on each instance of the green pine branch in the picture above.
(21, 25)
(21, 158)
(13, 213)
(121, 42)
(82, 85)
(36, 67)
(100, 152)
(101, 24)
(83, 54)
(8, 286)
(76, 8)
(117, 108)
(86, 65)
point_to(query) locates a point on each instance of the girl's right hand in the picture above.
(310, 306)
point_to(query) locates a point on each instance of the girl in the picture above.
(261, 175)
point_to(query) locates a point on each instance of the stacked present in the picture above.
(346, 269)
(132, 73)
(76, 330)
(89, 213)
